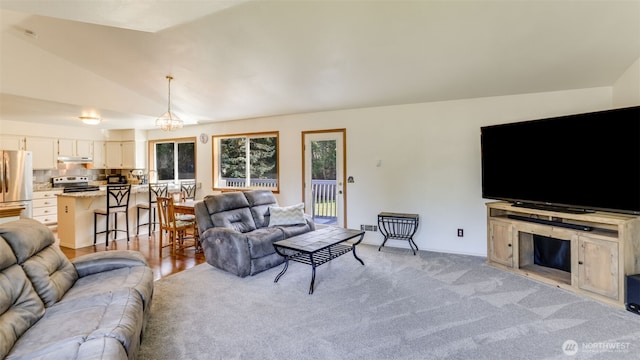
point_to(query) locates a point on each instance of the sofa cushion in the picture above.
(261, 241)
(112, 314)
(260, 215)
(260, 201)
(26, 237)
(288, 215)
(7, 258)
(49, 270)
(260, 197)
(139, 278)
(239, 220)
(51, 274)
(226, 201)
(229, 210)
(20, 306)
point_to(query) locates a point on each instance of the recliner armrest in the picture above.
(227, 249)
(107, 260)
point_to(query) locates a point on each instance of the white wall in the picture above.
(626, 90)
(430, 156)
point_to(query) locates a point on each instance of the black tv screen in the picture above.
(578, 162)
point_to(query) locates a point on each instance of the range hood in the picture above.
(75, 159)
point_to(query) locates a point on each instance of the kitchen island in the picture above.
(75, 216)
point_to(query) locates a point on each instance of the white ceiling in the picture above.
(242, 59)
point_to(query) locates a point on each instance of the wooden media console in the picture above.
(604, 248)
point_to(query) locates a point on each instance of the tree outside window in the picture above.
(248, 161)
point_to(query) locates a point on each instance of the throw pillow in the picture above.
(288, 215)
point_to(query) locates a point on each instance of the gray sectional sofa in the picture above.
(235, 231)
(93, 307)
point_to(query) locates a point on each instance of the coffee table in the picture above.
(317, 247)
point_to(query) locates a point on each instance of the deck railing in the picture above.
(324, 198)
(241, 182)
(323, 192)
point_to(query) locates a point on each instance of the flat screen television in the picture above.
(575, 163)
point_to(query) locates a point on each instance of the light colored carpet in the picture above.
(397, 306)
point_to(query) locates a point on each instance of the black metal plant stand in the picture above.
(398, 226)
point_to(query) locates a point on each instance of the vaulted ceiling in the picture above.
(241, 59)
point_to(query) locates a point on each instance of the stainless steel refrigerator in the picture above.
(16, 180)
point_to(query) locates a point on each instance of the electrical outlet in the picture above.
(460, 233)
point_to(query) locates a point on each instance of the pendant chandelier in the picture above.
(169, 121)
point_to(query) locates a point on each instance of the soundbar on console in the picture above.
(551, 222)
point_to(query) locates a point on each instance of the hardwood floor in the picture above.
(148, 246)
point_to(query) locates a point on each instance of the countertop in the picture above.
(42, 189)
(103, 192)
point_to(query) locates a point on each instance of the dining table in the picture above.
(187, 207)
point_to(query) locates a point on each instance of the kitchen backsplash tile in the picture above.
(42, 178)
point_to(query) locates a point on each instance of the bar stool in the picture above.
(187, 190)
(155, 191)
(117, 203)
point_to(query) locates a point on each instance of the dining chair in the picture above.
(155, 190)
(117, 204)
(176, 230)
(187, 192)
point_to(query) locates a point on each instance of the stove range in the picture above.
(72, 189)
(71, 184)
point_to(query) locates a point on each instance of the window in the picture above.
(246, 161)
(174, 160)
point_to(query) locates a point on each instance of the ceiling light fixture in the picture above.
(90, 120)
(169, 121)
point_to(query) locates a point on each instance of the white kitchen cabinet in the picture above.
(133, 155)
(114, 155)
(99, 155)
(11, 142)
(66, 147)
(128, 155)
(45, 206)
(72, 147)
(125, 155)
(45, 152)
(84, 148)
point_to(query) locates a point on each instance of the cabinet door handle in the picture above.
(579, 262)
(509, 245)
